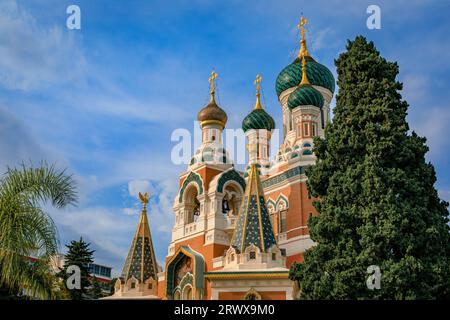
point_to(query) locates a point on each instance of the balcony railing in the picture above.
(190, 228)
(282, 237)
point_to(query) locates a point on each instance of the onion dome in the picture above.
(258, 118)
(317, 73)
(305, 94)
(212, 113)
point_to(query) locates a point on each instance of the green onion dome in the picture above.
(258, 119)
(317, 73)
(305, 95)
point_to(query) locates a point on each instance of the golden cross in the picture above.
(258, 83)
(301, 26)
(212, 80)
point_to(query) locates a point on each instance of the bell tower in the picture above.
(206, 205)
(258, 126)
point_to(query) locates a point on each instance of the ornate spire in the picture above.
(303, 49)
(253, 224)
(141, 261)
(257, 83)
(212, 113)
(212, 84)
(304, 75)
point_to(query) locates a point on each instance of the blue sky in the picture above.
(103, 101)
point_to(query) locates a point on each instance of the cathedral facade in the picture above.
(237, 233)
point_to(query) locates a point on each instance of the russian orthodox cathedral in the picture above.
(237, 233)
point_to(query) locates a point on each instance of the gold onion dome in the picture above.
(212, 113)
(318, 74)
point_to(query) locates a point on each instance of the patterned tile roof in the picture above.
(253, 224)
(305, 95)
(258, 119)
(141, 260)
(318, 75)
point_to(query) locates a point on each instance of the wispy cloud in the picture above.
(33, 57)
(103, 101)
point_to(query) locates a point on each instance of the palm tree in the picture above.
(26, 230)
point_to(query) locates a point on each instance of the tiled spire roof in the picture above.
(141, 260)
(253, 225)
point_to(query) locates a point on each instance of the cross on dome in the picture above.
(212, 81)
(257, 83)
(301, 26)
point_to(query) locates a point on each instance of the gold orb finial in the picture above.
(301, 26)
(257, 83)
(212, 84)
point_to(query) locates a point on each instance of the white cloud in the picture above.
(432, 123)
(136, 186)
(130, 211)
(33, 57)
(415, 87)
(444, 195)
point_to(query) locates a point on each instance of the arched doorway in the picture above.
(185, 274)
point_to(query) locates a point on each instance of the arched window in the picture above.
(290, 120)
(192, 204)
(314, 129)
(231, 200)
(283, 221)
(306, 129)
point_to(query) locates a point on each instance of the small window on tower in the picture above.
(213, 138)
(252, 255)
(314, 129)
(283, 222)
(274, 256)
(306, 129)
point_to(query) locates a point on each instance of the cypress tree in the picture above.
(377, 202)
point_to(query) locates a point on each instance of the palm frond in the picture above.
(26, 230)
